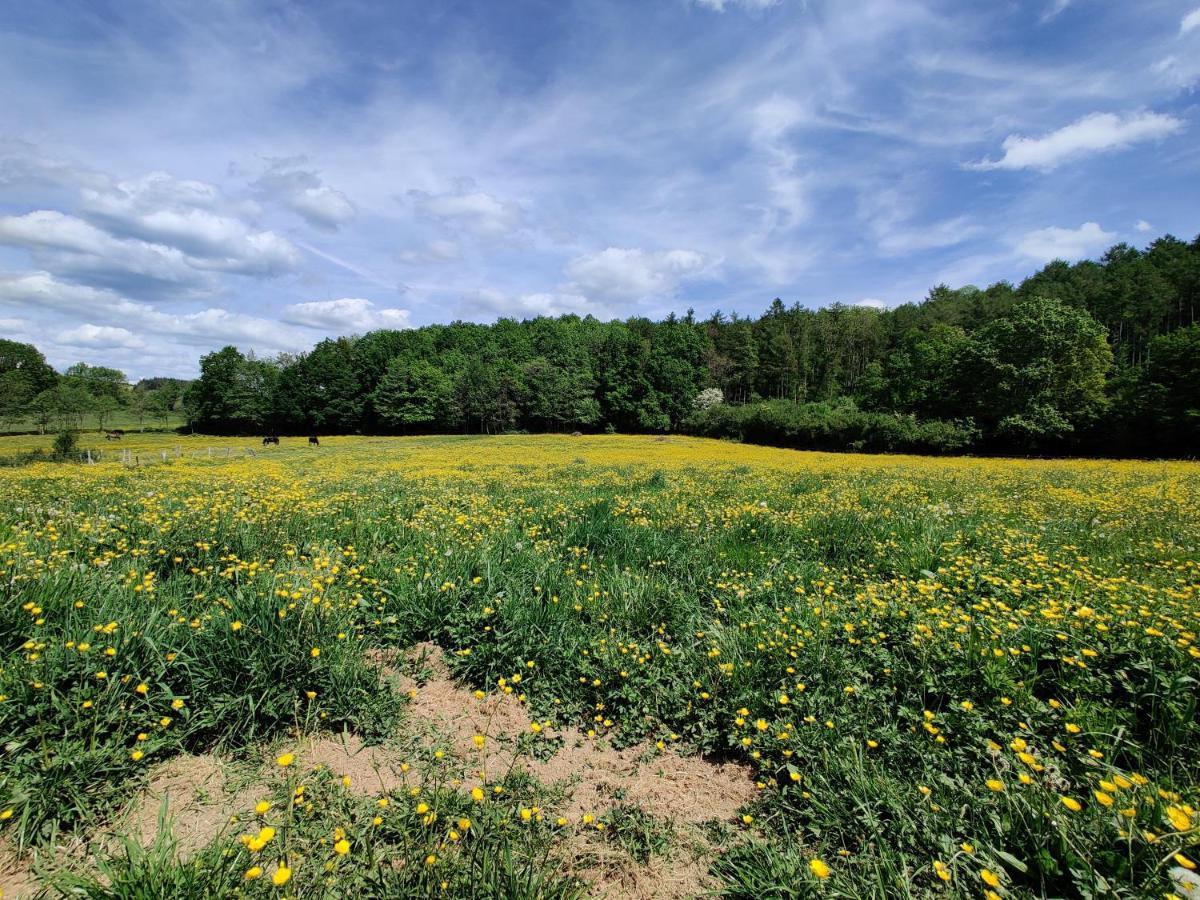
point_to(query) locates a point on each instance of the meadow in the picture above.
(551, 666)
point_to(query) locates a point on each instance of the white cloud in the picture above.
(1190, 21)
(1047, 244)
(722, 5)
(194, 217)
(476, 211)
(1142, 226)
(873, 302)
(1095, 133)
(71, 246)
(903, 240)
(619, 273)
(304, 192)
(345, 315)
(14, 326)
(206, 328)
(487, 304)
(101, 337)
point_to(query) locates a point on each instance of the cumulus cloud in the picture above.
(1095, 133)
(1142, 226)
(205, 328)
(1190, 22)
(1070, 244)
(873, 302)
(487, 304)
(191, 216)
(345, 315)
(78, 249)
(619, 273)
(303, 191)
(101, 337)
(475, 211)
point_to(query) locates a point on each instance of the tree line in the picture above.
(1099, 357)
(33, 393)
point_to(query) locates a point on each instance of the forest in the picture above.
(1098, 357)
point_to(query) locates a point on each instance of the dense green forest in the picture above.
(1097, 357)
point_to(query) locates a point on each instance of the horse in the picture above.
(271, 439)
(115, 435)
(313, 441)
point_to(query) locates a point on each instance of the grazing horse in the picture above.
(271, 439)
(115, 435)
(312, 441)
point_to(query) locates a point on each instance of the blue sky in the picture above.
(179, 176)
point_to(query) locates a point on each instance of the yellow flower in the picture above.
(990, 878)
(252, 873)
(342, 847)
(995, 784)
(478, 741)
(431, 860)
(1180, 820)
(1184, 861)
(940, 870)
(177, 703)
(237, 626)
(136, 755)
(1071, 803)
(262, 806)
(477, 794)
(1102, 798)
(286, 759)
(142, 688)
(1072, 728)
(314, 652)
(818, 868)
(282, 875)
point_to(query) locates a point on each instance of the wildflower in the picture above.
(285, 760)
(342, 847)
(282, 875)
(1071, 803)
(252, 873)
(818, 868)
(262, 806)
(314, 652)
(995, 784)
(940, 870)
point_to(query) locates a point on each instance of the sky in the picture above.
(178, 176)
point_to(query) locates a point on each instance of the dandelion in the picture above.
(252, 873)
(342, 847)
(818, 868)
(285, 759)
(1071, 803)
(282, 875)
(995, 784)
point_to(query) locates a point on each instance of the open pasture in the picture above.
(554, 666)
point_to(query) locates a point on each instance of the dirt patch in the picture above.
(592, 776)
(16, 874)
(680, 874)
(371, 770)
(198, 805)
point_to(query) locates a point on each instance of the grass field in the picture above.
(123, 419)
(555, 666)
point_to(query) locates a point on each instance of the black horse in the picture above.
(313, 441)
(271, 439)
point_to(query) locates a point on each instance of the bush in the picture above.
(65, 442)
(824, 426)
